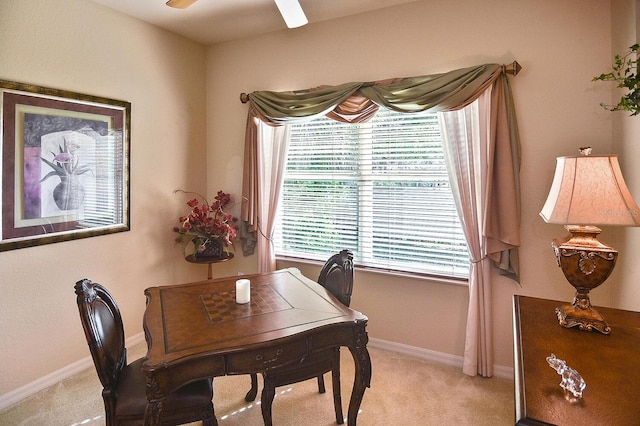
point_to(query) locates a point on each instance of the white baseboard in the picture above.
(17, 395)
(442, 358)
(29, 389)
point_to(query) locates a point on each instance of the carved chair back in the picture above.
(337, 276)
(103, 329)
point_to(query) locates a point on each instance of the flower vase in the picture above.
(209, 249)
(69, 193)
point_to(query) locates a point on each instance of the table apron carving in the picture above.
(259, 360)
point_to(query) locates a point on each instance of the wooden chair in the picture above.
(337, 277)
(124, 385)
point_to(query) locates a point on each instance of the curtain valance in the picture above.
(438, 92)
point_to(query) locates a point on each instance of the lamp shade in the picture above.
(590, 190)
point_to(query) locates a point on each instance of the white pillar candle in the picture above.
(243, 291)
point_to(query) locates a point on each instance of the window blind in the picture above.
(380, 189)
(103, 204)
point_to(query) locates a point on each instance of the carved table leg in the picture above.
(253, 392)
(152, 413)
(268, 393)
(363, 374)
(156, 398)
(335, 379)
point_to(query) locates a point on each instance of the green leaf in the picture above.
(625, 74)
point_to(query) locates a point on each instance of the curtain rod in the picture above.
(512, 68)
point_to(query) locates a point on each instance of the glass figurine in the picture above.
(571, 380)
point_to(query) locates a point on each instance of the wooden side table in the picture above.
(609, 364)
(209, 261)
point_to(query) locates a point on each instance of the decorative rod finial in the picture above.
(585, 150)
(513, 68)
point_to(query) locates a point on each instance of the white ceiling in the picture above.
(213, 21)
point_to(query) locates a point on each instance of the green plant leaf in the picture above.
(625, 74)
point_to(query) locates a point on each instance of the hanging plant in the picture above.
(625, 73)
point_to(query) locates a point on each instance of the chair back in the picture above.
(337, 276)
(103, 329)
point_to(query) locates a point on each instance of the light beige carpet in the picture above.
(404, 391)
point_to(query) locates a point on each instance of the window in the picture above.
(380, 189)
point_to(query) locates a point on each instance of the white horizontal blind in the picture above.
(380, 189)
(104, 205)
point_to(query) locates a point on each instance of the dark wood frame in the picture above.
(30, 113)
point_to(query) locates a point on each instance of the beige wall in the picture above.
(626, 134)
(78, 45)
(560, 43)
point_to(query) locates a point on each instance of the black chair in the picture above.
(337, 277)
(124, 385)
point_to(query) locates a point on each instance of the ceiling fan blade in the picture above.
(180, 4)
(292, 13)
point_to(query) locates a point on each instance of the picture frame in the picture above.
(65, 165)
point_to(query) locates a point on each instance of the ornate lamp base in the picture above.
(584, 318)
(586, 263)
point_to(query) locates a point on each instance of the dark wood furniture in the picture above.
(336, 276)
(609, 364)
(124, 387)
(197, 330)
(209, 261)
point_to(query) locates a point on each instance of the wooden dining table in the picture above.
(197, 330)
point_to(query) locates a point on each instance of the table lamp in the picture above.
(587, 191)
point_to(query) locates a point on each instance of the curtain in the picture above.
(485, 184)
(266, 151)
(271, 163)
(466, 154)
(497, 219)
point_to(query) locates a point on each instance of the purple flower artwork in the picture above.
(59, 164)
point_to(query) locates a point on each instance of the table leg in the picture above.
(253, 392)
(363, 374)
(156, 397)
(210, 271)
(152, 413)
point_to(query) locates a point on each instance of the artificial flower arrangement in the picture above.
(207, 225)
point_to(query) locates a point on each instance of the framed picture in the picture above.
(65, 165)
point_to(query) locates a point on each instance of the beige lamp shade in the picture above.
(590, 190)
